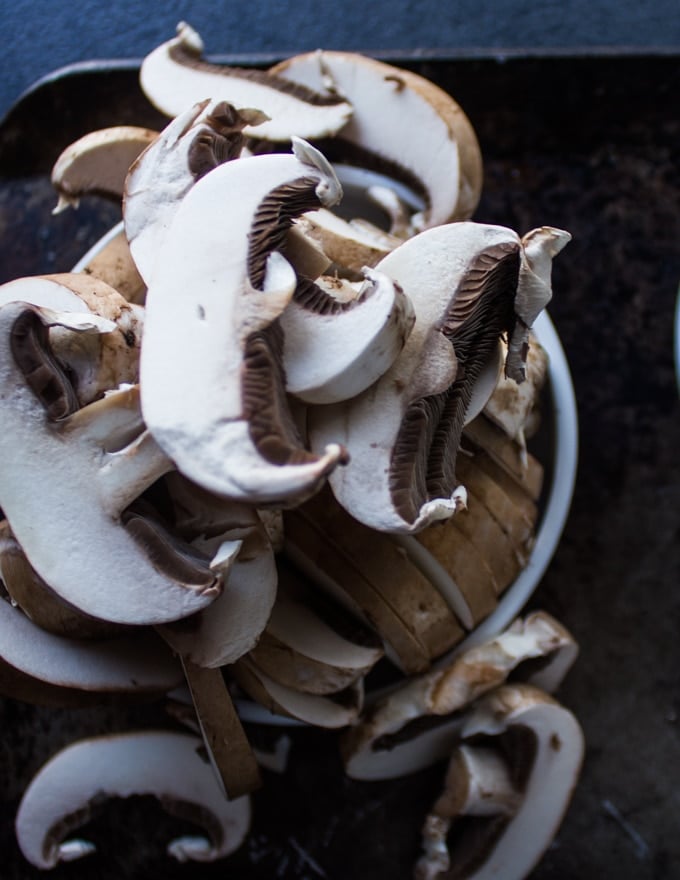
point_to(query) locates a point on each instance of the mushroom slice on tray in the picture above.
(199, 139)
(47, 669)
(95, 362)
(98, 163)
(403, 433)
(401, 124)
(67, 790)
(337, 346)
(110, 260)
(174, 76)
(506, 795)
(213, 392)
(395, 738)
(67, 476)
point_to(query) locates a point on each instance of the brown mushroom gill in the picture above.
(49, 380)
(422, 465)
(224, 141)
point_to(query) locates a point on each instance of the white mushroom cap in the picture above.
(167, 765)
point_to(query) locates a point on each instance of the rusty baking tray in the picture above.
(590, 144)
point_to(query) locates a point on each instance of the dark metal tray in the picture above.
(587, 144)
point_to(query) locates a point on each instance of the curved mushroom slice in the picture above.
(375, 579)
(28, 591)
(223, 530)
(401, 123)
(67, 789)
(311, 644)
(93, 362)
(98, 163)
(336, 348)
(209, 340)
(110, 260)
(64, 671)
(199, 139)
(403, 432)
(347, 245)
(419, 722)
(231, 756)
(67, 476)
(517, 790)
(174, 76)
(335, 710)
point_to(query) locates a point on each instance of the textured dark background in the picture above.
(587, 144)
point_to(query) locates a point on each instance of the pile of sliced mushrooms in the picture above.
(264, 441)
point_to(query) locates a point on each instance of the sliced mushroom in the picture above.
(209, 340)
(199, 139)
(517, 787)
(403, 433)
(419, 722)
(311, 644)
(402, 124)
(335, 348)
(67, 476)
(41, 667)
(110, 260)
(98, 163)
(174, 76)
(66, 791)
(348, 245)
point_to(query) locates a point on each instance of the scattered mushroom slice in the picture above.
(98, 163)
(403, 433)
(110, 259)
(174, 76)
(375, 578)
(67, 476)
(401, 123)
(28, 591)
(347, 245)
(201, 137)
(95, 362)
(63, 671)
(335, 710)
(395, 737)
(335, 348)
(211, 340)
(311, 644)
(232, 624)
(225, 740)
(67, 789)
(518, 790)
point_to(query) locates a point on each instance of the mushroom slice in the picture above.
(224, 530)
(401, 124)
(98, 163)
(403, 433)
(375, 579)
(336, 348)
(92, 362)
(67, 789)
(199, 139)
(335, 710)
(57, 670)
(174, 76)
(66, 478)
(347, 245)
(419, 722)
(211, 338)
(503, 803)
(311, 644)
(110, 260)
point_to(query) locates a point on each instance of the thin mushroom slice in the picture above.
(517, 790)
(402, 124)
(347, 245)
(67, 789)
(336, 348)
(174, 76)
(211, 339)
(403, 433)
(94, 361)
(418, 723)
(199, 139)
(110, 260)
(57, 670)
(83, 469)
